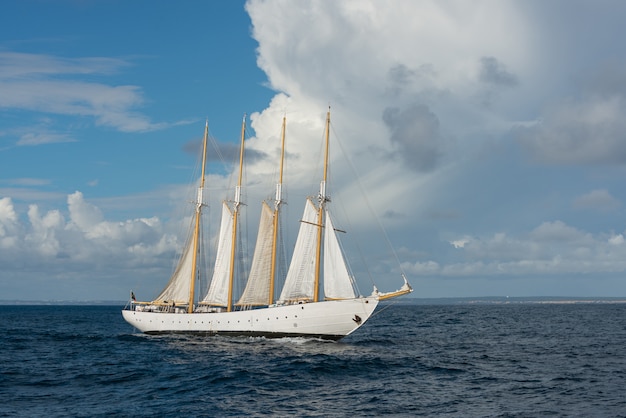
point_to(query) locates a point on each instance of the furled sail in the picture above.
(337, 281)
(177, 289)
(257, 289)
(300, 281)
(217, 294)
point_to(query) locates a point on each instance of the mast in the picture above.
(199, 205)
(320, 214)
(237, 203)
(277, 202)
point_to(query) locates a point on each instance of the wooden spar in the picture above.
(197, 226)
(320, 215)
(277, 203)
(235, 216)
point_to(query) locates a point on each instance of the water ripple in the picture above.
(411, 360)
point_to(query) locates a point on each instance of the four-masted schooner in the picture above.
(318, 298)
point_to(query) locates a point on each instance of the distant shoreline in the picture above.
(503, 300)
(486, 300)
(62, 302)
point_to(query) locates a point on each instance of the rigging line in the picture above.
(216, 148)
(384, 308)
(369, 205)
(354, 243)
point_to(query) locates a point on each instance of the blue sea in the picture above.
(410, 359)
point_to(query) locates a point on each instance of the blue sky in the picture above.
(488, 135)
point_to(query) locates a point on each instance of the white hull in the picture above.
(327, 320)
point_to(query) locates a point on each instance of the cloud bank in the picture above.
(78, 242)
(488, 135)
(433, 99)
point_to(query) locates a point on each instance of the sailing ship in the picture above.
(318, 299)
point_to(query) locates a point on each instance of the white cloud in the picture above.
(43, 138)
(7, 213)
(43, 237)
(460, 243)
(582, 131)
(422, 268)
(134, 251)
(38, 82)
(418, 89)
(551, 248)
(26, 181)
(341, 46)
(402, 81)
(600, 200)
(83, 214)
(15, 65)
(557, 231)
(363, 57)
(8, 223)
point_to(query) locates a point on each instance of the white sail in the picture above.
(300, 280)
(258, 286)
(177, 289)
(337, 281)
(218, 290)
